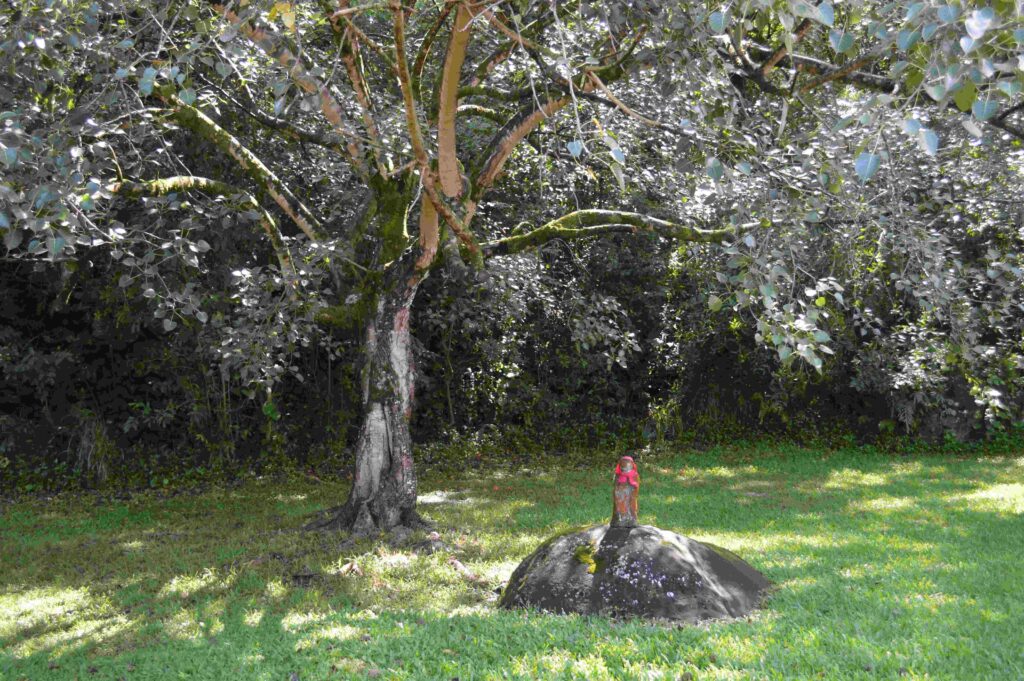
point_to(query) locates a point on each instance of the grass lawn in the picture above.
(885, 568)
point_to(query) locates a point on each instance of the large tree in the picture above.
(381, 114)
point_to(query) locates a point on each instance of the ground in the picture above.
(885, 568)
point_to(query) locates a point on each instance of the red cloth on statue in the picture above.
(626, 477)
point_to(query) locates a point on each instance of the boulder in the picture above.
(639, 571)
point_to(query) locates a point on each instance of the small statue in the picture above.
(625, 493)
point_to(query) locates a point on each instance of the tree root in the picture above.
(360, 523)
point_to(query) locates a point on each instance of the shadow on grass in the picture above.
(883, 568)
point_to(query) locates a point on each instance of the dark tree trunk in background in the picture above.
(383, 494)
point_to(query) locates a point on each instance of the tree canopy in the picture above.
(839, 182)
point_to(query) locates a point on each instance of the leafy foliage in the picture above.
(236, 180)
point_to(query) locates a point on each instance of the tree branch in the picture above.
(424, 50)
(277, 48)
(481, 112)
(183, 183)
(350, 58)
(447, 156)
(849, 72)
(584, 224)
(830, 71)
(201, 124)
(802, 29)
(617, 103)
(507, 138)
(274, 123)
(427, 176)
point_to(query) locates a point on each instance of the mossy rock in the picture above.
(641, 572)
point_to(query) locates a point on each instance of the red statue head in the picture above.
(625, 472)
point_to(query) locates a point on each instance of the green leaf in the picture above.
(714, 303)
(936, 91)
(929, 141)
(1010, 88)
(907, 39)
(965, 96)
(914, 10)
(715, 169)
(867, 165)
(717, 22)
(984, 109)
(826, 13)
(841, 41)
(619, 177)
(948, 13)
(979, 22)
(270, 410)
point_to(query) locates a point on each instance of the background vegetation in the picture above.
(872, 292)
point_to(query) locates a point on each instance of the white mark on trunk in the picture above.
(371, 349)
(401, 359)
(374, 445)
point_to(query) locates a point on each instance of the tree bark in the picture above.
(383, 494)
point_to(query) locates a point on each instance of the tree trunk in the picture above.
(383, 494)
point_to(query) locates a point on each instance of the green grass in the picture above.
(885, 568)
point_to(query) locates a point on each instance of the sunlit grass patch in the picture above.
(882, 569)
(1008, 498)
(847, 478)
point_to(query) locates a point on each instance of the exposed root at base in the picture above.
(361, 523)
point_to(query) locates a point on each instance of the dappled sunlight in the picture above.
(184, 586)
(798, 583)
(56, 621)
(444, 497)
(933, 602)
(275, 590)
(500, 571)
(80, 632)
(787, 541)
(849, 478)
(859, 552)
(290, 497)
(884, 505)
(1004, 498)
(296, 621)
(184, 625)
(560, 661)
(27, 609)
(334, 632)
(133, 547)
(716, 473)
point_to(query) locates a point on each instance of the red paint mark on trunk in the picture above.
(402, 319)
